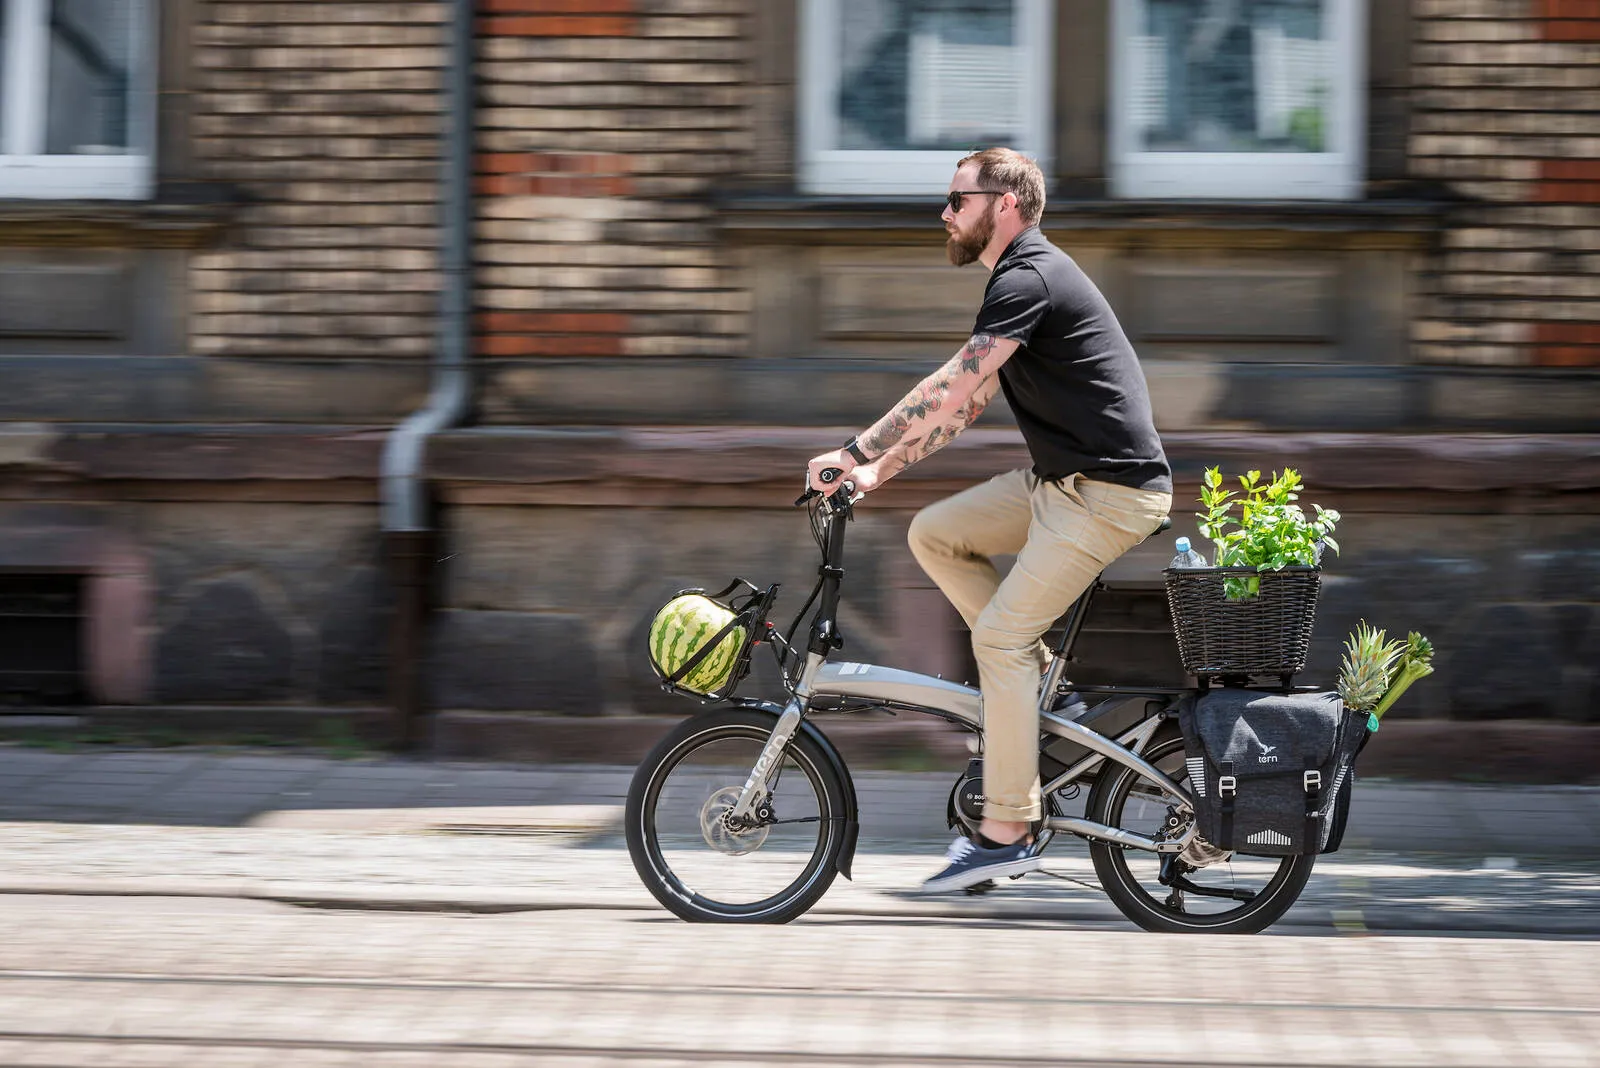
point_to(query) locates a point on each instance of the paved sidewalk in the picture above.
(1351, 891)
(420, 836)
(220, 789)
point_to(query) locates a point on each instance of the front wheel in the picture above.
(1246, 894)
(701, 863)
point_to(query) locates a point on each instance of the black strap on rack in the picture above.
(1312, 780)
(730, 587)
(1227, 787)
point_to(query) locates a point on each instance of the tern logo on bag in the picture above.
(1266, 756)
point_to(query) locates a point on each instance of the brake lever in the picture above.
(828, 474)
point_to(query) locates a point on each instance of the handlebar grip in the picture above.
(828, 475)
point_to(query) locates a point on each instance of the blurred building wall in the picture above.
(1503, 105)
(198, 382)
(666, 327)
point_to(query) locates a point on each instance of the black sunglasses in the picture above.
(954, 199)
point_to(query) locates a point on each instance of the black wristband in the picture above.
(855, 452)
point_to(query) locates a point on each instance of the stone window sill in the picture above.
(1399, 222)
(182, 215)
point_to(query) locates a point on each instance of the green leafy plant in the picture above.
(1269, 533)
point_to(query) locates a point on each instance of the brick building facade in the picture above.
(1504, 99)
(670, 314)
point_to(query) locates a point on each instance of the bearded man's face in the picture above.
(968, 239)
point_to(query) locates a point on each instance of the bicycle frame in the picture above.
(826, 685)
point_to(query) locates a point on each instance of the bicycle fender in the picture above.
(852, 826)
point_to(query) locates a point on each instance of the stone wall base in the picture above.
(1532, 751)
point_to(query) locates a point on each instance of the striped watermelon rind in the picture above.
(683, 625)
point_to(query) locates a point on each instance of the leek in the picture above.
(1416, 661)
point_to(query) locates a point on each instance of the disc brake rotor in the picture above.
(716, 825)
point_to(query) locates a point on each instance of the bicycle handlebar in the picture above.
(829, 475)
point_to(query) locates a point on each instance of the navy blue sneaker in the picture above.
(970, 864)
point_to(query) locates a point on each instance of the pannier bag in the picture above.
(1271, 773)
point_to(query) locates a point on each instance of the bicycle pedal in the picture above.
(981, 888)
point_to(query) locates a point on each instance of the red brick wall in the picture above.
(1506, 112)
(557, 18)
(1570, 20)
(602, 125)
(328, 113)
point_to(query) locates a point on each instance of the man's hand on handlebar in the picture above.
(838, 461)
(866, 478)
(834, 481)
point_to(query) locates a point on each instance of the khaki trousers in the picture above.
(1064, 534)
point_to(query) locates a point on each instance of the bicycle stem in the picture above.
(824, 626)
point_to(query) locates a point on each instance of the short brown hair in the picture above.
(1005, 170)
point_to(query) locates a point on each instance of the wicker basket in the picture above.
(1265, 634)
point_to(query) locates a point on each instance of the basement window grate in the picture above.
(41, 639)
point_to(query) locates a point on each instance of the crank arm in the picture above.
(1106, 833)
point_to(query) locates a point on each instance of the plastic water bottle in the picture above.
(1187, 557)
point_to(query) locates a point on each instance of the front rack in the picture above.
(749, 610)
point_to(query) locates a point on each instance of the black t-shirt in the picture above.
(1074, 383)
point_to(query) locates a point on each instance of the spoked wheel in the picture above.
(701, 862)
(1221, 894)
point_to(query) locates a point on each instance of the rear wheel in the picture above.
(1247, 894)
(705, 865)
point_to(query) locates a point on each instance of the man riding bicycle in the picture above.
(1099, 484)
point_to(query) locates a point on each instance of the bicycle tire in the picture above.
(1106, 801)
(644, 846)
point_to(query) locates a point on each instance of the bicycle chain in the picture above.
(1096, 887)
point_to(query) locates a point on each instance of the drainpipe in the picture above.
(410, 534)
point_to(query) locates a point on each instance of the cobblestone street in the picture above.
(203, 909)
(114, 982)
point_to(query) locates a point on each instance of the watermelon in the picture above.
(683, 625)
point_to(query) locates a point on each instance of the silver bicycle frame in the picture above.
(914, 692)
(755, 787)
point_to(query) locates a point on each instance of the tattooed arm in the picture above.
(910, 450)
(937, 399)
(926, 419)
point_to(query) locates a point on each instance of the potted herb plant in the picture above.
(1270, 531)
(1252, 613)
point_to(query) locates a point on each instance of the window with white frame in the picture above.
(1238, 98)
(894, 92)
(77, 100)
